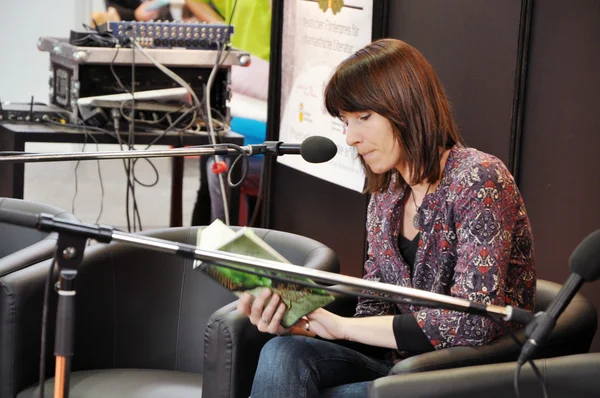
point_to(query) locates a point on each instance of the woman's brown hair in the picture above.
(394, 79)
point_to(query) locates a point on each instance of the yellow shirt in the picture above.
(251, 22)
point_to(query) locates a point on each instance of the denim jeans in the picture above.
(298, 366)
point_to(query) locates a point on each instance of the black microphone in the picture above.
(585, 267)
(315, 149)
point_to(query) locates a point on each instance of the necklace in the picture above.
(416, 217)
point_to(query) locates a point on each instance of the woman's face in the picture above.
(372, 136)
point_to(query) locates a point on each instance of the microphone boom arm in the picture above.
(155, 153)
(107, 234)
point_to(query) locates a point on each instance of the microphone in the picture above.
(585, 267)
(315, 149)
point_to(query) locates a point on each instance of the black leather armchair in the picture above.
(239, 343)
(20, 247)
(573, 334)
(140, 318)
(566, 377)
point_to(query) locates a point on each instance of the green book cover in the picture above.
(300, 300)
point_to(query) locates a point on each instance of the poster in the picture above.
(317, 36)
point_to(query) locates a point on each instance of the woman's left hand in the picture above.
(326, 324)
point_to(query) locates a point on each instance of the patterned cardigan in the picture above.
(476, 243)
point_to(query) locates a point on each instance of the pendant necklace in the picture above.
(418, 208)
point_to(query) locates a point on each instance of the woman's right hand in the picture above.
(266, 317)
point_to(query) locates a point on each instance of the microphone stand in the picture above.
(69, 254)
(267, 148)
(70, 246)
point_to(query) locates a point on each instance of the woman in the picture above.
(442, 218)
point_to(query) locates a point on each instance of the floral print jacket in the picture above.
(475, 243)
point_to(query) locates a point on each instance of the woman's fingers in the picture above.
(244, 304)
(265, 311)
(274, 326)
(269, 310)
(258, 306)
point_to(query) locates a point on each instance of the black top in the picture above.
(408, 249)
(409, 335)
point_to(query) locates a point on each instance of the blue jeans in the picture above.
(298, 366)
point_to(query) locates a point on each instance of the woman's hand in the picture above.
(326, 324)
(266, 317)
(142, 14)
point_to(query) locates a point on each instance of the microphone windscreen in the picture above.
(585, 259)
(317, 149)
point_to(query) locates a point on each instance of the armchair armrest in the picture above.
(231, 349)
(501, 350)
(567, 376)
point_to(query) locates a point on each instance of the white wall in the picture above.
(24, 69)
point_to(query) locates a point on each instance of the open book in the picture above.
(299, 299)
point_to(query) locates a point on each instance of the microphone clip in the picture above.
(267, 148)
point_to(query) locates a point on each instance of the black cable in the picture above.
(518, 369)
(42, 374)
(153, 168)
(75, 172)
(169, 128)
(101, 189)
(245, 165)
(85, 137)
(130, 170)
(516, 380)
(117, 132)
(131, 143)
(231, 18)
(99, 177)
(149, 122)
(114, 73)
(127, 163)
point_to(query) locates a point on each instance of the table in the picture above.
(14, 136)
